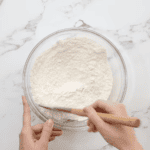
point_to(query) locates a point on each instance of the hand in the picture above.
(36, 137)
(120, 136)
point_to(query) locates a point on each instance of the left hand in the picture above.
(36, 137)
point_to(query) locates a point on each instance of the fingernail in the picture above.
(50, 122)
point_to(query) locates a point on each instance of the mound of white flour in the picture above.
(73, 73)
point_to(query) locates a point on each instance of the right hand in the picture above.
(120, 136)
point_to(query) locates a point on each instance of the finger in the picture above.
(51, 139)
(106, 106)
(92, 128)
(88, 123)
(56, 129)
(26, 114)
(95, 119)
(26, 135)
(47, 131)
(38, 136)
(35, 140)
(89, 130)
(38, 128)
(56, 133)
(95, 129)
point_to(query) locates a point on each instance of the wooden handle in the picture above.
(110, 118)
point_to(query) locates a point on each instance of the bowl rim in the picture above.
(65, 30)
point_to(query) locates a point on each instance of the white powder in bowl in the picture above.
(73, 73)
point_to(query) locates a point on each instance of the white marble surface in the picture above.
(24, 23)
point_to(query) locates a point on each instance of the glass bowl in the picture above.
(115, 61)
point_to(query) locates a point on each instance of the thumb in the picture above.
(47, 131)
(95, 119)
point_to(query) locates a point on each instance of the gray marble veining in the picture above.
(131, 35)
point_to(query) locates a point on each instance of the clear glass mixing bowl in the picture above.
(114, 58)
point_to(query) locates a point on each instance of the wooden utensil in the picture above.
(109, 118)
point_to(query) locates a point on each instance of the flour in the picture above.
(68, 87)
(73, 73)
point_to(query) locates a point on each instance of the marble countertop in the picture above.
(24, 23)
